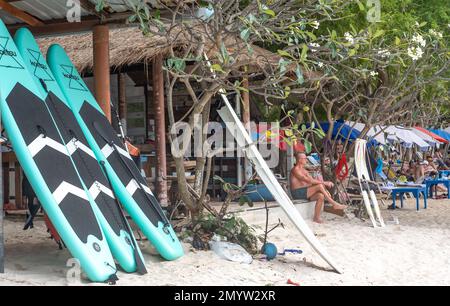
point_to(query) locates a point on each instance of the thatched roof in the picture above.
(129, 46)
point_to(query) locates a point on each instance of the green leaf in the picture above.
(422, 24)
(245, 34)
(269, 12)
(288, 133)
(397, 41)
(217, 67)
(308, 146)
(132, 18)
(378, 33)
(361, 5)
(284, 53)
(351, 52)
(304, 52)
(100, 5)
(299, 74)
(311, 35)
(287, 92)
(333, 35)
(224, 53)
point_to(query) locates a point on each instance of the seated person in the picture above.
(304, 187)
(440, 160)
(430, 167)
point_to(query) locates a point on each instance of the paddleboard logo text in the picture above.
(8, 53)
(75, 82)
(71, 76)
(38, 65)
(8, 58)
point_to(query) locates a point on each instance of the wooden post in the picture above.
(122, 100)
(18, 186)
(160, 123)
(101, 68)
(146, 103)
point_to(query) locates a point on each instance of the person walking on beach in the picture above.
(304, 187)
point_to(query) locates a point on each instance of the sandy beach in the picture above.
(414, 252)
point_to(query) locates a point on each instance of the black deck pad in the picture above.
(90, 116)
(56, 168)
(87, 165)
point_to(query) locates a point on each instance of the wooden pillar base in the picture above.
(160, 122)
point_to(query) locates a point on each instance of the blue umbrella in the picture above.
(344, 131)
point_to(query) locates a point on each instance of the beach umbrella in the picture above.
(407, 137)
(442, 134)
(344, 131)
(437, 137)
(433, 142)
(375, 133)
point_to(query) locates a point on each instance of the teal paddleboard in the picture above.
(45, 160)
(115, 226)
(129, 186)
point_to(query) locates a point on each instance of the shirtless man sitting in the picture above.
(304, 187)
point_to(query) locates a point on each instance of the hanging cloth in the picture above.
(342, 168)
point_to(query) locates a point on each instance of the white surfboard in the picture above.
(369, 197)
(245, 142)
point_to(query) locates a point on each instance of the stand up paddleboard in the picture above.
(44, 159)
(369, 197)
(127, 182)
(114, 224)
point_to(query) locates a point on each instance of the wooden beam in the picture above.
(19, 14)
(61, 26)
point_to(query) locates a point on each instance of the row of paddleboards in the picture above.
(78, 167)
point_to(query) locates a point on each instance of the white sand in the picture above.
(415, 252)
